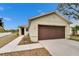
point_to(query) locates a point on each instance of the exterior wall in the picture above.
(19, 31)
(71, 32)
(25, 32)
(53, 20)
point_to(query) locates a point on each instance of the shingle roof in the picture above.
(22, 26)
(56, 12)
(35, 17)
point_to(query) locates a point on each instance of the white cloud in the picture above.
(40, 12)
(1, 8)
(7, 19)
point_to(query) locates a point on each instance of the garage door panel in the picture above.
(50, 32)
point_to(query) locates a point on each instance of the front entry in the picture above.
(22, 31)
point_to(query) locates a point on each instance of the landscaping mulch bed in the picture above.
(25, 40)
(33, 52)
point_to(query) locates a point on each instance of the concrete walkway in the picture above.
(13, 46)
(5, 34)
(61, 47)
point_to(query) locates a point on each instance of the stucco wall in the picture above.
(25, 32)
(52, 19)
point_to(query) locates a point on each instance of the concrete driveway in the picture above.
(61, 47)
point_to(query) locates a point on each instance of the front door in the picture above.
(22, 31)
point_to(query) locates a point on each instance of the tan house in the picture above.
(48, 26)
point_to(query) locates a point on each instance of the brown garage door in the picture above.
(50, 32)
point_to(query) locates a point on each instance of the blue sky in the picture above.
(16, 14)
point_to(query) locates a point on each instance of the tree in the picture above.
(70, 10)
(75, 29)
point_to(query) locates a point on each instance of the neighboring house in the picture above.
(77, 32)
(48, 26)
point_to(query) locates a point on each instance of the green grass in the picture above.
(5, 40)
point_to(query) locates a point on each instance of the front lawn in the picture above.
(7, 39)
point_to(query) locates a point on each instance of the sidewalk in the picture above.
(13, 46)
(5, 34)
